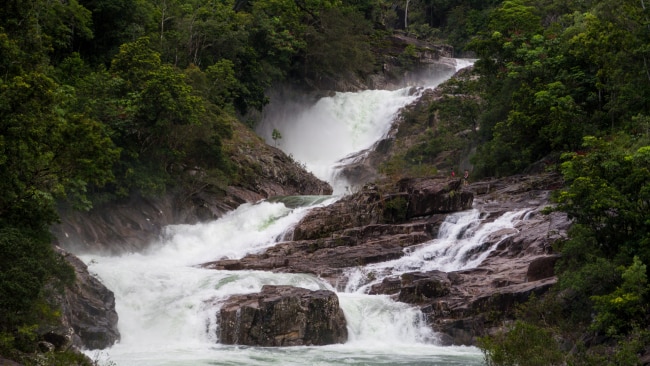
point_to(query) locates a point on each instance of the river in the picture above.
(167, 305)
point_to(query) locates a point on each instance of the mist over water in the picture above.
(167, 304)
(320, 134)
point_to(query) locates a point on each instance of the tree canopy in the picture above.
(103, 99)
(565, 86)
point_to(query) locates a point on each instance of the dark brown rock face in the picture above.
(418, 287)
(427, 196)
(367, 227)
(541, 268)
(282, 316)
(89, 319)
(377, 224)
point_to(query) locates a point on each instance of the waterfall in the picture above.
(463, 241)
(321, 134)
(167, 304)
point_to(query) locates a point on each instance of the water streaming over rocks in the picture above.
(461, 243)
(167, 303)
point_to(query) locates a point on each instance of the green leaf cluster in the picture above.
(552, 74)
(522, 344)
(608, 194)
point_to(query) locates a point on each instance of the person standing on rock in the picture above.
(466, 177)
(453, 174)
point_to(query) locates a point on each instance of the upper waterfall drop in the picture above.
(320, 134)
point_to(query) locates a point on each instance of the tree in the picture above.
(611, 35)
(624, 309)
(609, 193)
(28, 263)
(37, 161)
(339, 46)
(276, 136)
(114, 22)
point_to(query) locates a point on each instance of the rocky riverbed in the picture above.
(381, 222)
(377, 224)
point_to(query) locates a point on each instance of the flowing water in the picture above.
(167, 305)
(323, 133)
(463, 241)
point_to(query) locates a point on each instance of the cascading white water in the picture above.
(321, 134)
(463, 242)
(167, 305)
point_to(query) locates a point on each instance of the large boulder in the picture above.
(282, 316)
(374, 204)
(418, 287)
(89, 318)
(430, 196)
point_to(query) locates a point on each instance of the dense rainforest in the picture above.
(102, 99)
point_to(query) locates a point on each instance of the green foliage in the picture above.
(445, 131)
(275, 136)
(522, 344)
(395, 209)
(114, 22)
(28, 262)
(41, 27)
(338, 46)
(224, 88)
(608, 193)
(602, 272)
(626, 307)
(399, 167)
(409, 57)
(37, 161)
(550, 81)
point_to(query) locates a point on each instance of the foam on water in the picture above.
(167, 304)
(321, 134)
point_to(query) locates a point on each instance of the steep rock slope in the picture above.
(129, 225)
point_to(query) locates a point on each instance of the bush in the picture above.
(624, 308)
(28, 262)
(522, 344)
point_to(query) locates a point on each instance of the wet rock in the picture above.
(388, 286)
(363, 228)
(417, 287)
(282, 316)
(462, 320)
(462, 304)
(89, 318)
(542, 267)
(328, 257)
(429, 196)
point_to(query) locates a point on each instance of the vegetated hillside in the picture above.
(103, 100)
(565, 87)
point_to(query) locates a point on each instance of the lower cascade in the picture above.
(173, 311)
